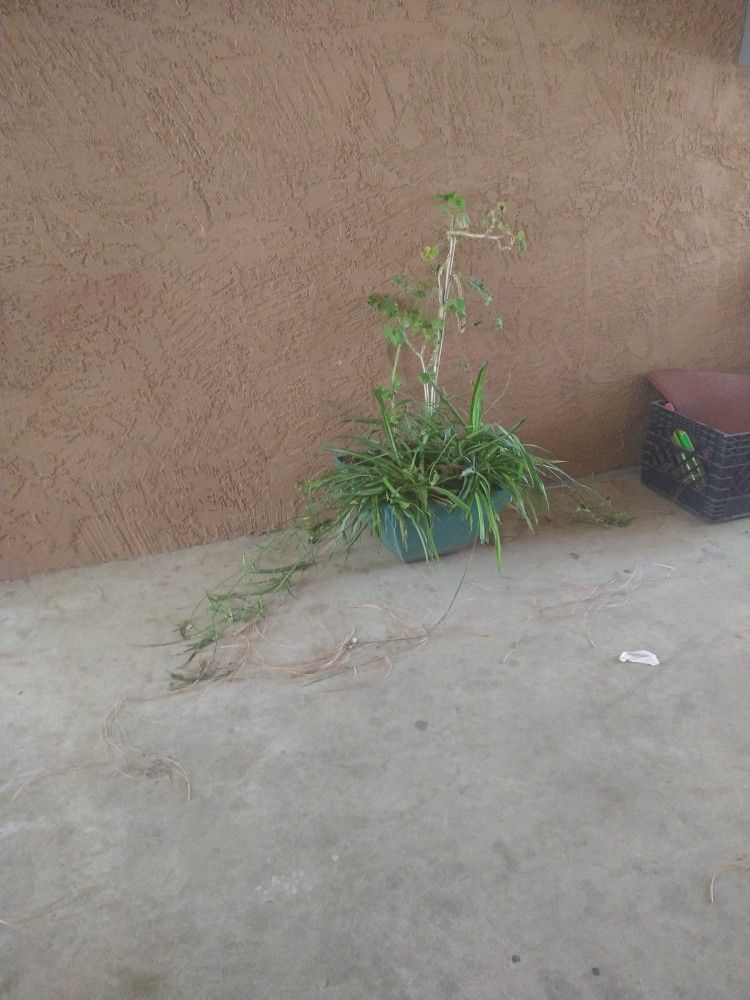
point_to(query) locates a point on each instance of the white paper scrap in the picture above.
(640, 656)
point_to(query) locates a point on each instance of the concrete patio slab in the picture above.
(509, 813)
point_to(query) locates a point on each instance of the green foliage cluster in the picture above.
(241, 599)
(600, 511)
(418, 315)
(412, 458)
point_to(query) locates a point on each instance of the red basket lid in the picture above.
(717, 399)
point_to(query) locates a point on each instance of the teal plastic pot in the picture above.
(450, 528)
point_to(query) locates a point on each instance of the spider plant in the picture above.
(411, 459)
(414, 460)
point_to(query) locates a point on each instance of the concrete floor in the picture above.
(476, 825)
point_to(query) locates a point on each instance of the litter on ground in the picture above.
(640, 656)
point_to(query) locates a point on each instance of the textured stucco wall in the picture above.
(198, 196)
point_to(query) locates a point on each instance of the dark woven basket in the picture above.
(712, 480)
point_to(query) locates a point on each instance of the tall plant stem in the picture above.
(445, 277)
(394, 369)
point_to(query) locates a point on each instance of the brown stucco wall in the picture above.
(200, 194)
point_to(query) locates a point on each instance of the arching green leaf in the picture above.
(481, 289)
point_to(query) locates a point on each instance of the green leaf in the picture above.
(498, 322)
(430, 327)
(401, 281)
(394, 335)
(430, 253)
(386, 419)
(521, 240)
(457, 306)
(384, 304)
(426, 378)
(481, 289)
(451, 200)
(476, 407)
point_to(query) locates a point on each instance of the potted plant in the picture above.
(428, 476)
